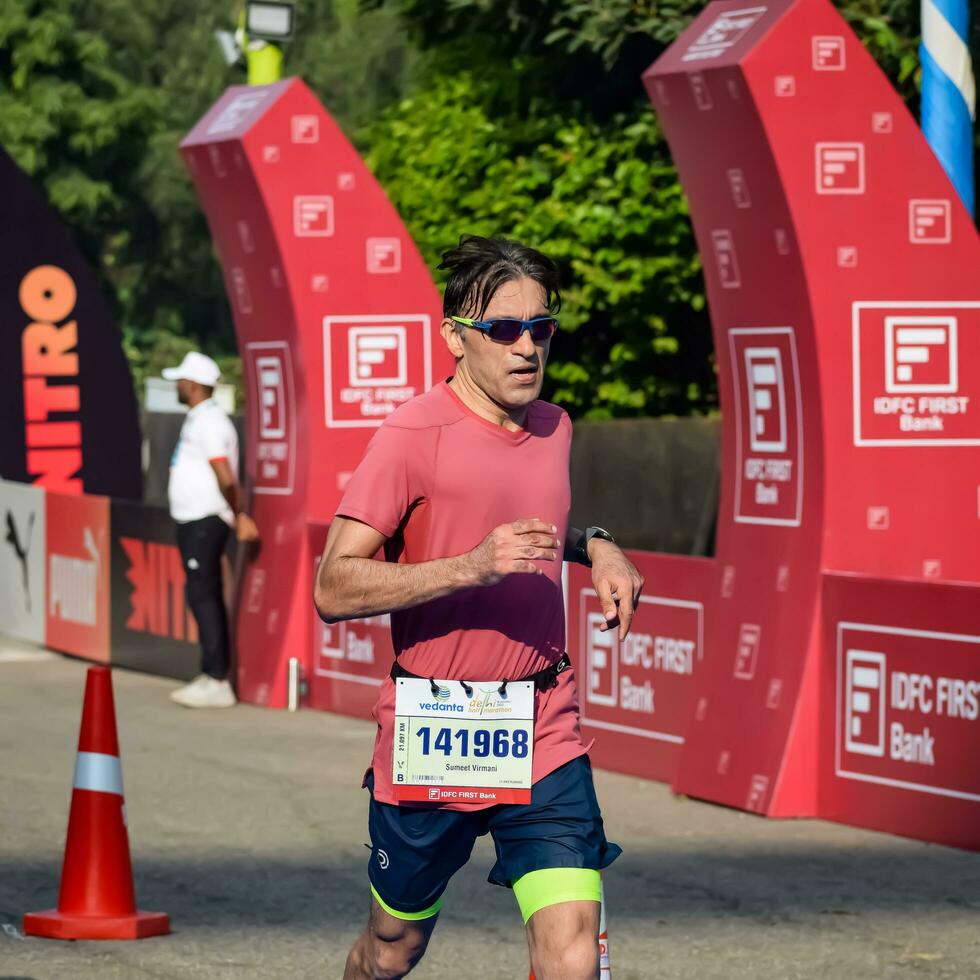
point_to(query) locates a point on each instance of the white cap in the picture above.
(195, 367)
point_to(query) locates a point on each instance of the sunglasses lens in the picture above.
(506, 331)
(542, 329)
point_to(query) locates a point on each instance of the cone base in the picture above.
(52, 924)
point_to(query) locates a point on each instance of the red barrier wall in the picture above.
(337, 321)
(901, 702)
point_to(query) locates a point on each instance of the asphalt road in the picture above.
(247, 826)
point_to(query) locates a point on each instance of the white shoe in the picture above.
(205, 692)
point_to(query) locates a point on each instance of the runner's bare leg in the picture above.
(563, 941)
(388, 948)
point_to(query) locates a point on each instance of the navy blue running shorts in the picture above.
(415, 851)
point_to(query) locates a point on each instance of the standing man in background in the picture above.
(206, 499)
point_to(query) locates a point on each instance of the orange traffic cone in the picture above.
(605, 972)
(97, 900)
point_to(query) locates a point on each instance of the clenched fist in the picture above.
(513, 548)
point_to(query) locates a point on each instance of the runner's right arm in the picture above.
(351, 584)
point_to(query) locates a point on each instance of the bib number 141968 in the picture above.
(454, 746)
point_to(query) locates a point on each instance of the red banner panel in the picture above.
(77, 564)
(901, 720)
(636, 694)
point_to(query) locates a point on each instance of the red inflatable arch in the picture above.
(337, 322)
(842, 672)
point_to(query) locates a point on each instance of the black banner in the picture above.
(66, 397)
(153, 629)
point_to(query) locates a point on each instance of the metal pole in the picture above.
(949, 90)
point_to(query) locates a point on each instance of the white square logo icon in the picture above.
(847, 256)
(740, 189)
(920, 355)
(757, 793)
(747, 651)
(313, 216)
(384, 255)
(602, 653)
(879, 517)
(726, 260)
(377, 356)
(767, 399)
(828, 53)
(840, 168)
(270, 153)
(784, 86)
(929, 222)
(864, 705)
(433, 793)
(699, 89)
(881, 122)
(305, 129)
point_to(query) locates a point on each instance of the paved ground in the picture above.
(247, 827)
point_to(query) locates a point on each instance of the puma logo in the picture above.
(21, 550)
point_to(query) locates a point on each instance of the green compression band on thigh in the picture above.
(552, 886)
(432, 910)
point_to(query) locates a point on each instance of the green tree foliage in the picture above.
(602, 198)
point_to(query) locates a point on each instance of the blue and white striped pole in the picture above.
(949, 90)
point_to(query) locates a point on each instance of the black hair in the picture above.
(480, 266)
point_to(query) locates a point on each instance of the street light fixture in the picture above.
(269, 20)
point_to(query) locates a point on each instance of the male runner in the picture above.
(466, 489)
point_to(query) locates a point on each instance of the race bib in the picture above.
(455, 747)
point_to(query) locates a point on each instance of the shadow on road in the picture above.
(775, 884)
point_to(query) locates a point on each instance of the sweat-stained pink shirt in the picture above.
(435, 480)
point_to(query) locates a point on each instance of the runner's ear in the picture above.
(453, 338)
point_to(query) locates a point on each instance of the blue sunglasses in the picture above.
(505, 330)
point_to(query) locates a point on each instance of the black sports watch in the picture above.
(582, 547)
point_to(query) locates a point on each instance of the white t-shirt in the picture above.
(207, 433)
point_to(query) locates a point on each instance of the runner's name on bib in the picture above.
(454, 747)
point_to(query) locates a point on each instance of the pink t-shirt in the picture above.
(435, 480)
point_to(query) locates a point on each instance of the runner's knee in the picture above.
(575, 959)
(392, 957)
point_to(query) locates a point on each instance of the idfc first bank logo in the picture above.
(373, 364)
(908, 707)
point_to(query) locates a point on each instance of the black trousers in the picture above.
(201, 545)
